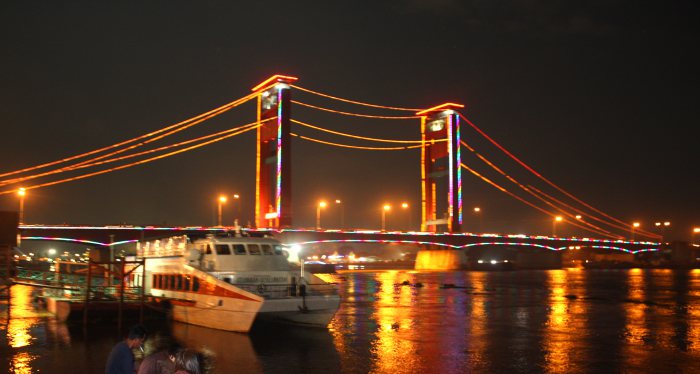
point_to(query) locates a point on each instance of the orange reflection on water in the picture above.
(560, 326)
(21, 320)
(694, 314)
(636, 310)
(394, 347)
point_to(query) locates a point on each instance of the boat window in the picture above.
(187, 283)
(278, 250)
(154, 281)
(195, 284)
(171, 282)
(254, 249)
(223, 249)
(208, 250)
(239, 249)
(266, 249)
(179, 282)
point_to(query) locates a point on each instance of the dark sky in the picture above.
(601, 97)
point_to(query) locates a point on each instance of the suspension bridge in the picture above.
(445, 158)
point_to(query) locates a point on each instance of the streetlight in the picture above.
(554, 224)
(696, 230)
(342, 213)
(385, 209)
(238, 208)
(321, 204)
(21, 192)
(407, 207)
(222, 200)
(635, 225)
(477, 211)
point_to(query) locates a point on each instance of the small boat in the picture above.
(227, 283)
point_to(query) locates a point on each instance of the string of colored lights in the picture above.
(74, 157)
(454, 246)
(102, 162)
(545, 179)
(354, 102)
(363, 137)
(531, 204)
(134, 163)
(355, 146)
(526, 189)
(352, 114)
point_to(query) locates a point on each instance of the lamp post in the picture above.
(696, 230)
(407, 208)
(238, 208)
(342, 213)
(661, 226)
(477, 211)
(635, 225)
(21, 192)
(554, 224)
(385, 209)
(321, 205)
(222, 200)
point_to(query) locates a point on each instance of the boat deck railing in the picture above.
(280, 291)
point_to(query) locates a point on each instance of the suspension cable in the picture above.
(526, 189)
(353, 114)
(542, 177)
(355, 146)
(134, 163)
(529, 203)
(355, 102)
(95, 163)
(362, 137)
(218, 110)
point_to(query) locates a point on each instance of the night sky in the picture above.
(600, 97)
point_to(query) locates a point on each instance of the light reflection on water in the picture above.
(557, 321)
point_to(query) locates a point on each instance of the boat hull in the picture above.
(313, 311)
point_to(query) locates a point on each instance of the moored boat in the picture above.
(229, 282)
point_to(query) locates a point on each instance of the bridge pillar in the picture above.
(441, 203)
(273, 195)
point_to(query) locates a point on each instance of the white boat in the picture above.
(227, 283)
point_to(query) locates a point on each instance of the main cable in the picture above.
(354, 102)
(529, 203)
(542, 177)
(135, 163)
(354, 146)
(361, 137)
(352, 114)
(102, 162)
(218, 110)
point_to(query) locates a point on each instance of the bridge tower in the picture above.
(441, 168)
(273, 195)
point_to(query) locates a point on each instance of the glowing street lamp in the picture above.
(635, 225)
(222, 200)
(477, 211)
(407, 208)
(554, 224)
(21, 192)
(696, 230)
(321, 205)
(385, 209)
(342, 212)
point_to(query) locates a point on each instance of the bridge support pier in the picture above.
(429, 258)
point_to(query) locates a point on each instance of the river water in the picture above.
(555, 321)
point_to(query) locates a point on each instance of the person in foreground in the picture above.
(121, 359)
(161, 362)
(188, 361)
